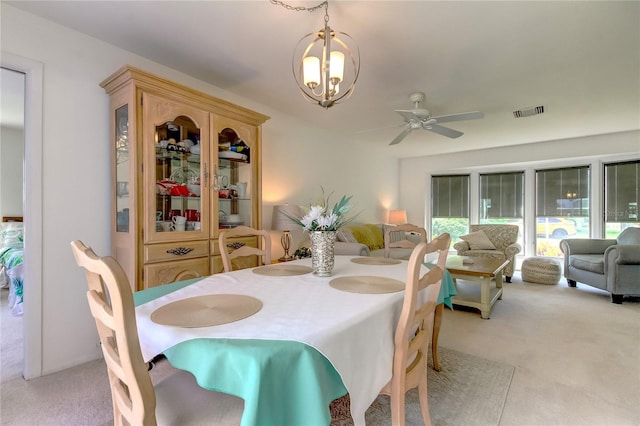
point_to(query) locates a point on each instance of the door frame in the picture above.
(32, 209)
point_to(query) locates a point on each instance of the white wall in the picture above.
(11, 154)
(297, 160)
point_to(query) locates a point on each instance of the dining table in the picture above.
(304, 341)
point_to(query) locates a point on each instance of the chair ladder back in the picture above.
(414, 329)
(407, 227)
(111, 303)
(244, 231)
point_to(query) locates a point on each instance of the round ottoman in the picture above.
(541, 270)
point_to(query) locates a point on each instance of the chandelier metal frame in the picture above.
(326, 92)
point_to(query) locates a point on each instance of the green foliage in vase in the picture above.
(322, 217)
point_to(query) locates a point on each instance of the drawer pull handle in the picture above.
(180, 251)
(235, 245)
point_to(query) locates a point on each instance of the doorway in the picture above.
(32, 209)
(11, 205)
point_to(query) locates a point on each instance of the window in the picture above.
(621, 196)
(562, 207)
(502, 199)
(450, 205)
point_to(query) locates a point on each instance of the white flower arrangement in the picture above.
(320, 217)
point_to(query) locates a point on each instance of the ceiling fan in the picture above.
(420, 118)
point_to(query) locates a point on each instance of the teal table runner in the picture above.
(281, 382)
(447, 289)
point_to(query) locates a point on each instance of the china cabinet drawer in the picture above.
(168, 272)
(247, 241)
(175, 251)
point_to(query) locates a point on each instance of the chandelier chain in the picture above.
(308, 9)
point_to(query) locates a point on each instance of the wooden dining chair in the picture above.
(404, 243)
(414, 330)
(229, 252)
(177, 400)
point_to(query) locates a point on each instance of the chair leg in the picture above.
(424, 401)
(397, 407)
(437, 322)
(571, 283)
(617, 298)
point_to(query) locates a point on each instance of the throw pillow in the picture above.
(345, 236)
(478, 241)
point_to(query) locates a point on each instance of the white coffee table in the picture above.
(481, 271)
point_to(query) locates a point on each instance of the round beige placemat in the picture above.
(282, 270)
(375, 261)
(207, 310)
(367, 284)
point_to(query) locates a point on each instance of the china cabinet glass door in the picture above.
(122, 169)
(176, 138)
(235, 175)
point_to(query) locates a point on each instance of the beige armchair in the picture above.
(503, 238)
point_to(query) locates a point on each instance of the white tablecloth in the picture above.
(353, 331)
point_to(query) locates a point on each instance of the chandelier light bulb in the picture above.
(311, 71)
(336, 67)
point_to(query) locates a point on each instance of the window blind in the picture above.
(501, 195)
(450, 196)
(562, 192)
(622, 191)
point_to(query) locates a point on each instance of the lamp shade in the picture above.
(280, 221)
(398, 217)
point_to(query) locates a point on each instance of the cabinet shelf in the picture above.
(227, 162)
(165, 154)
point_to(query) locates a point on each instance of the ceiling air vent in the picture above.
(528, 112)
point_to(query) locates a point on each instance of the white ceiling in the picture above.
(580, 60)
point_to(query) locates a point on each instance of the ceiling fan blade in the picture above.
(444, 131)
(401, 136)
(473, 115)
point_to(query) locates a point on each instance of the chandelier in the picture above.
(319, 61)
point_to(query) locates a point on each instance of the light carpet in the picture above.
(468, 391)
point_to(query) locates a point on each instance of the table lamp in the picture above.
(398, 217)
(281, 222)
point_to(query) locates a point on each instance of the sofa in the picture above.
(607, 264)
(368, 240)
(492, 241)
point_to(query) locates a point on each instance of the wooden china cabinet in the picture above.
(185, 165)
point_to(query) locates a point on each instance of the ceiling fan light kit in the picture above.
(319, 61)
(420, 118)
